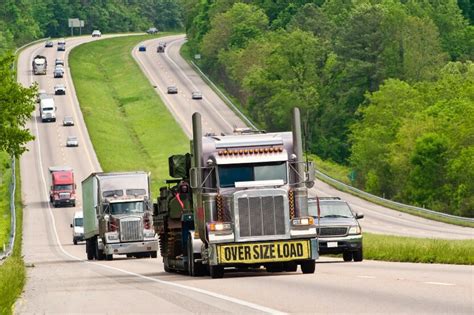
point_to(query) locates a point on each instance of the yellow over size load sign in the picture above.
(264, 252)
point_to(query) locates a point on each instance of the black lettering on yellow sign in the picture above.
(278, 251)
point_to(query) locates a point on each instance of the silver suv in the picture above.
(339, 232)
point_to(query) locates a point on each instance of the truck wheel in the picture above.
(109, 257)
(153, 254)
(216, 272)
(308, 266)
(347, 256)
(73, 203)
(358, 255)
(90, 254)
(75, 242)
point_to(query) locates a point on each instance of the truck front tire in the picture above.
(358, 255)
(216, 272)
(347, 256)
(195, 269)
(89, 250)
(308, 266)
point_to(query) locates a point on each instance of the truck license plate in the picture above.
(264, 252)
(332, 244)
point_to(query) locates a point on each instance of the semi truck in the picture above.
(118, 216)
(238, 201)
(47, 109)
(63, 188)
(40, 64)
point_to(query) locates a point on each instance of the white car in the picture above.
(72, 141)
(59, 62)
(60, 89)
(197, 95)
(96, 33)
(58, 71)
(68, 121)
(77, 226)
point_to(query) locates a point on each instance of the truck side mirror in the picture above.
(310, 174)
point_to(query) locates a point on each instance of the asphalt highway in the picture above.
(61, 280)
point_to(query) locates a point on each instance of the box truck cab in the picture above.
(63, 188)
(47, 110)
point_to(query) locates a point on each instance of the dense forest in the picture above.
(386, 86)
(22, 21)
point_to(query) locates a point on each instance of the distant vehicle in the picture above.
(58, 72)
(61, 47)
(49, 44)
(47, 110)
(68, 121)
(161, 48)
(172, 89)
(142, 48)
(96, 33)
(59, 62)
(41, 95)
(339, 231)
(152, 30)
(63, 188)
(196, 95)
(61, 41)
(39, 64)
(60, 89)
(77, 226)
(72, 141)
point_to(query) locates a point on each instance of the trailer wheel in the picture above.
(153, 254)
(308, 266)
(216, 272)
(90, 254)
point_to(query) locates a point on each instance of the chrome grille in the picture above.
(64, 195)
(131, 229)
(332, 231)
(261, 215)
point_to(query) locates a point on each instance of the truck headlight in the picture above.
(148, 234)
(220, 227)
(302, 221)
(112, 237)
(355, 229)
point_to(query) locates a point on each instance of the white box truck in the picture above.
(47, 110)
(118, 216)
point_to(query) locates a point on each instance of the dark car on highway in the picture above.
(142, 48)
(49, 44)
(172, 89)
(339, 232)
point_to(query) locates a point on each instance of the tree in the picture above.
(16, 107)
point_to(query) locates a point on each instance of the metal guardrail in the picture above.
(388, 202)
(6, 251)
(334, 182)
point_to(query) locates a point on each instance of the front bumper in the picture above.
(338, 245)
(129, 248)
(64, 202)
(231, 254)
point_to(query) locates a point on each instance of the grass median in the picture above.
(130, 127)
(408, 249)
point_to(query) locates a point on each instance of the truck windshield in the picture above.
(63, 187)
(78, 221)
(229, 174)
(330, 210)
(126, 207)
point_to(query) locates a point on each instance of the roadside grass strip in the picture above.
(12, 271)
(5, 178)
(418, 250)
(130, 127)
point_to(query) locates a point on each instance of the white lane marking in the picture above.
(440, 283)
(366, 277)
(205, 292)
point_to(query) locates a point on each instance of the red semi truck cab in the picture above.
(63, 188)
